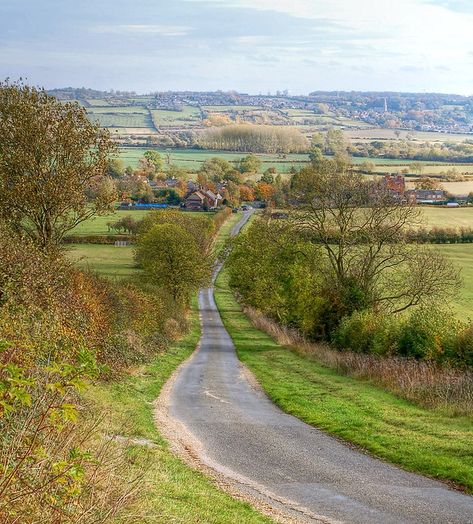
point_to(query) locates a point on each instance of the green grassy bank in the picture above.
(171, 492)
(417, 439)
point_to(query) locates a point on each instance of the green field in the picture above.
(107, 260)
(192, 159)
(444, 217)
(462, 256)
(134, 117)
(111, 261)
(230, 109)
(429, 169)
(123, 110)
(420, 440)
(98, 225)
(129, 117)
(98, 102)
(189, 116)
(394, 161)
(377, 133)
(395, 165)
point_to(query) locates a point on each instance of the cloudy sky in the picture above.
(248, 45)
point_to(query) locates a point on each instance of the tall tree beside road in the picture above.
(360, 227)
(173, 261)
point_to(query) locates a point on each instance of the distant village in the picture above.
(200, 198)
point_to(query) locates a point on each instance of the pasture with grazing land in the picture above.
(444, 217)
(378, 133)
(192, 159)
(107, 260)
(98, 225)
(188, 116)
(462, 256)
(127, 117)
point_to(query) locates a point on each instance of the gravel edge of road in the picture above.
(186, 447)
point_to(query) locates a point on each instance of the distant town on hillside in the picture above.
(428, 112)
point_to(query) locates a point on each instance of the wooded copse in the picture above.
(254, 139)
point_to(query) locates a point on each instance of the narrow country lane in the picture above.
(237, 431)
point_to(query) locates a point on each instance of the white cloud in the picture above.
(144, 29)
(387, 36)
(413, 26)
(252, 40)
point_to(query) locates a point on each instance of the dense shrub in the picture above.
(221, 216)
(439, 235)
(357, 332)
(59, 329)
(425, 334)
(428, 334)
(463, 347)
(425, 382)
(275, 270)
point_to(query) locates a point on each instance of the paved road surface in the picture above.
(286, 462)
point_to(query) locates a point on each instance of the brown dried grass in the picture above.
(427, 384)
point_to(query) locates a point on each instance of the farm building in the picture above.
(202, 199)
(169, 183)
(426, 196)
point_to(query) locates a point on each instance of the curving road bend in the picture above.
(284, 462)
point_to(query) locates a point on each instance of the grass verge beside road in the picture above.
(417, 439)
(172, 491)
(225, 231)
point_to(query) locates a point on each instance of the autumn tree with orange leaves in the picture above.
(265, 191)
